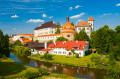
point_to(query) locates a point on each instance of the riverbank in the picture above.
(11, 70)
(71, 61)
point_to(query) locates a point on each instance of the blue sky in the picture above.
(22, 16)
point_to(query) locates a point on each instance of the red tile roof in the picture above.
(45, 49)
(68, 45)
(83, 23)
(90, 19)
(25, 34)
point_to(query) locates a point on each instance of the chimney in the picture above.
(63, 42)
(76, 41)
(45, 45)
(54, 42)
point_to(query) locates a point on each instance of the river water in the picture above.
(78, 72)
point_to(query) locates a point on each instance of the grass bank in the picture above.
(11, 70)
(72, 61)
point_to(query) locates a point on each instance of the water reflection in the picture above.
(79, 72)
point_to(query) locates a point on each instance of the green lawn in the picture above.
(11, 70)
(69, 60)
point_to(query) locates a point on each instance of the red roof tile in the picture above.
(68, 44)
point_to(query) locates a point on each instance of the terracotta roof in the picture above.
(45, 49)
(49, 35)
(46, 25)
(68, 26)
(68, 32)
(25, 40)
(25, 35)
(90, 19)
(68, 45)
(83, 23)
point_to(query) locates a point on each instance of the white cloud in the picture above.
(77, 16)
(14, 16)
(26, 0)
(14, 28)
(70, 8)
(35, 20)
(77, 6)
(107, 14)
(78, 21)
(118, 4)
(51, 17)
(44, 15)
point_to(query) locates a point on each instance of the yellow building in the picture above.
(68, 30)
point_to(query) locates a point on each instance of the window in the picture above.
(64, 52)
(88, 28)
(68, 35)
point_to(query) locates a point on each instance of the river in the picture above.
(78, 72)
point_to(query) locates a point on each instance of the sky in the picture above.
(23, 16)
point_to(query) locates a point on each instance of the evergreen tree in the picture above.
(76, 36)
(58, 30)
(72, 23)
(18, 42)
(58, 23)
(92, 40)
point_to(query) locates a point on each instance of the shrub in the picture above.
(43, 72)
(77, 55)
(88, 65)
(47, 56)
(31, 74)
(88, 52)
(95, 58)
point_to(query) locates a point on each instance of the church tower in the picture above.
(91, 21)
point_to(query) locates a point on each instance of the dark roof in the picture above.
(46, 25)
(34, 44)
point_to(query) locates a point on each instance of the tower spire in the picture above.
(67, 19)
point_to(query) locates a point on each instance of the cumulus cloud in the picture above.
(35, 20)
(118, 4)
(44, 15)
(107, 14)
(77, 6)
(77, 16)
(70, 8)
(14, 16)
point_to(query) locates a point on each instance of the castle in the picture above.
(46, 31)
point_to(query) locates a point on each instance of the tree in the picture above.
(72, 23)
(18, 42)
(76, 36)
(83, 36)
(61, 39)
(92, 40)
(103, 42)
(51, 41)
(58, 30)
(73, 51)
(4, 45)
(36, 40)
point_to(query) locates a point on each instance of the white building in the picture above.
(88, 26)
(44, 29)
(65, 47)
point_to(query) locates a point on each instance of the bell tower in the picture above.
(67, 19)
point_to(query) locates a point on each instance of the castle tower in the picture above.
(67, 19)
(91, 21)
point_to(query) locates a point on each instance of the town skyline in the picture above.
(20, 17)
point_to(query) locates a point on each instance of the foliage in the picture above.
(22, 51)
(72, 23)
(88, 52)
(51, 41)
(73, 52)
(4, 45)
(58, 30)
(92, 40)
(76, 55)
(81, 36)
(58, 23)
(18, 42)
(47, 56)
(36, 40)
(95, 58)
(61, 39)
(11, 45)
(31, 74)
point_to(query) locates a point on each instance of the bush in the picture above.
(77, 55)
(31, 74)
(47, 56)
(43, 72)
(88, 65)
(95, 58)
(22, 51)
